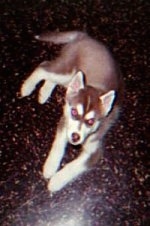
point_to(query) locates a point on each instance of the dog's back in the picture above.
(79, 53)
(83, 53)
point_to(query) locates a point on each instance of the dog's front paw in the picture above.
(48, 171)
(56, 183)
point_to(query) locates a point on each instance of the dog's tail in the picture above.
(61, 37)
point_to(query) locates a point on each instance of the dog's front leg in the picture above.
(55, 156)
(73, 169)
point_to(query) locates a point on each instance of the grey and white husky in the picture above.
(93, 90)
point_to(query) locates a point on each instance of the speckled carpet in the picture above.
(116, 191)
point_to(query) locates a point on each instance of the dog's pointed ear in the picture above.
(107, 101)
(76, 84)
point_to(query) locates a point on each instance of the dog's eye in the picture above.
(90, 122)
(74, 112)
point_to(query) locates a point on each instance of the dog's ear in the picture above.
(76, 84)
(107, 101)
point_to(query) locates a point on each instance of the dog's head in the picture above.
(85, 109)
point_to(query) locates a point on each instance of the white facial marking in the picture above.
(80, 109)
(90, 115)
(73, 127)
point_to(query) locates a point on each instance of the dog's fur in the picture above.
(94, 86)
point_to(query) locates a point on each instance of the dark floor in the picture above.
(115, 192)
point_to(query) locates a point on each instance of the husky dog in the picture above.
(93, 89)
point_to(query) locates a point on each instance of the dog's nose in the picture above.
(75, 137)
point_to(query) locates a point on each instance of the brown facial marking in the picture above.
(89, 98)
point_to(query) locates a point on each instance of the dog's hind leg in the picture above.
(32, 81)
(46, 91)
(50, 73)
